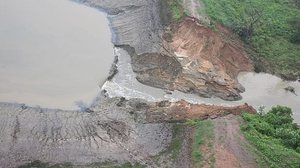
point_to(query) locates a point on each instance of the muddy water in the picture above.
(53, 53)
(261, 89)
(268, 90)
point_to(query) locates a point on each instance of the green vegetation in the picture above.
(172, 151)
(176, 10)
(39, 164)
(270, 27)
(275, 136)
(176, 143)
(204, 135)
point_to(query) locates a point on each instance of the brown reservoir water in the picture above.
(53, 53)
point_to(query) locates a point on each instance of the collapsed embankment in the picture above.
(184, 56)
(193, 59)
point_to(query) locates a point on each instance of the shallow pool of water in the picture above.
(53, 53)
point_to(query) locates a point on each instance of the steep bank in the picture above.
(193, 59)
(157, 49)
(210, 63)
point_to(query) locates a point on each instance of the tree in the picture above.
(279, 116)
(250, 21)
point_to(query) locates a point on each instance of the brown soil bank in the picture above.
(182, 110)
(211, 62)
(202, 45)
(194, 59)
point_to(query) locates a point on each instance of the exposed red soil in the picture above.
(195, 59)
(182, 110)
(200, 43)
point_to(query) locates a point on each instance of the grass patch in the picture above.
(277, 140)
(273, 34)
(173, 149)
(203, 136)
(176, 143)
(176, 10)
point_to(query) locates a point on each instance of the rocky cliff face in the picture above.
(210, 63)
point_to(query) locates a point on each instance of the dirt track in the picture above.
(230, 147)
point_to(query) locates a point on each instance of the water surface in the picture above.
(52, 52)
(261, 89)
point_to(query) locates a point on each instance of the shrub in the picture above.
(289, 137)
(277, 123)
(275, 136)
(279, 116)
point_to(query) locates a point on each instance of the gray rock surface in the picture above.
(113, 131)
(133, 22)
